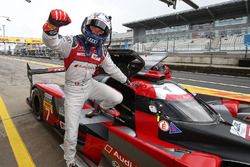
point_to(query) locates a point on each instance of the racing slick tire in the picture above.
(37, 104)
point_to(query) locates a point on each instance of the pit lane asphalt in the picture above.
(221, 82)
(41, 142)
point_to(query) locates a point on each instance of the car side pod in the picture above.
(136, 151)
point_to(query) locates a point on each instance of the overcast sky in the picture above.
(27, 19)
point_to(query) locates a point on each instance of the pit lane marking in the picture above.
(21, 153)
(216, 83)
(30, 61)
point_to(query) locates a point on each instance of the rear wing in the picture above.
(31, 72)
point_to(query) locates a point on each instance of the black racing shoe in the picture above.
(93, 113)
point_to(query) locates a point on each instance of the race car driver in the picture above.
(82, 54)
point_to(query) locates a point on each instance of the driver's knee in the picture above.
(112, 100)
(117, 98)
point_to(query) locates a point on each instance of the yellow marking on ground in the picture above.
(30, 61)
(21, 153)
(218, 93)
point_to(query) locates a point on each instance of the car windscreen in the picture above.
(178, 104)
(184, 110)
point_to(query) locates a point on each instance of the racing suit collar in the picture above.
(83, 42)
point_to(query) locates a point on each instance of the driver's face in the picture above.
(96, 30)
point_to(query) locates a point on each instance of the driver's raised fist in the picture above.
(59, 18)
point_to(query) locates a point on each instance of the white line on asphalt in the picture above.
(218, 75)
(216, 83)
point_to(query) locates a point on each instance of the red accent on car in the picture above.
(188, 160)
(87, 106)
(49, 115)
(149, 149)
(160, 71)
(179, 97)
(154, 74)
(142, 88)
(83, 135)
(93, 151)
(167, 72)
(168, 76)
(232, 106)
(246, 118)
(52, 89)
(197, 159)
(146, 124)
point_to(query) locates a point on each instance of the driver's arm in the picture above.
(51, 38)
(110, 68)
(58, 43)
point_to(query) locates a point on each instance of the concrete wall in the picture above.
(215, 59)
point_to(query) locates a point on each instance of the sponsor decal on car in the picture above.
(163, 125)
(240, 129)
(118, 158)
(48, 97)
(47, 108)
(174, 129)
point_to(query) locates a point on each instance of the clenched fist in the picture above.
(57, 18)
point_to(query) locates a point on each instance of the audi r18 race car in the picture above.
(159, 122)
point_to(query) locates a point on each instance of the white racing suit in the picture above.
(80, 86)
